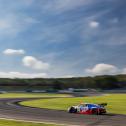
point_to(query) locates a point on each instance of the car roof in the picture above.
(93, 105)
(90, 104)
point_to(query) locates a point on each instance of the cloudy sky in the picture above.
(62, 38)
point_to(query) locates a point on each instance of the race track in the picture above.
(11, 110)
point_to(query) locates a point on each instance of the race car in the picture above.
(88, 108)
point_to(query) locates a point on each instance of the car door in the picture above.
(83, 108)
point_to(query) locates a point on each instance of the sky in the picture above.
(62, 38)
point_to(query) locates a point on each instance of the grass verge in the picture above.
(116, 102)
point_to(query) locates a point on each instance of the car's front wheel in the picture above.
(72, 110)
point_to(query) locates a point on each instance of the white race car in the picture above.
(88, 108)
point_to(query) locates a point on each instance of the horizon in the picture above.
(13, 78)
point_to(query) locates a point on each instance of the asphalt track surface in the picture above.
(10, 109)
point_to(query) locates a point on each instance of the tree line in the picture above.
(97, 82)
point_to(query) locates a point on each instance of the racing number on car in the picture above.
(83, 109)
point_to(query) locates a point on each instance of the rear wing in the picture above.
(103, 104)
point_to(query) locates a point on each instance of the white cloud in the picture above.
(102, 69)
(13, 52)
(32, 62)
(124, 71)
(22, 75)
(94, 24)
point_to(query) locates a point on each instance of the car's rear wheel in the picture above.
(95, 112)
(72, 110)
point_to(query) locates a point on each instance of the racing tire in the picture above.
(95, 112)
(72, 110)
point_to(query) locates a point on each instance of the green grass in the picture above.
(116, 102)
(31, 95)
(19, 123)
